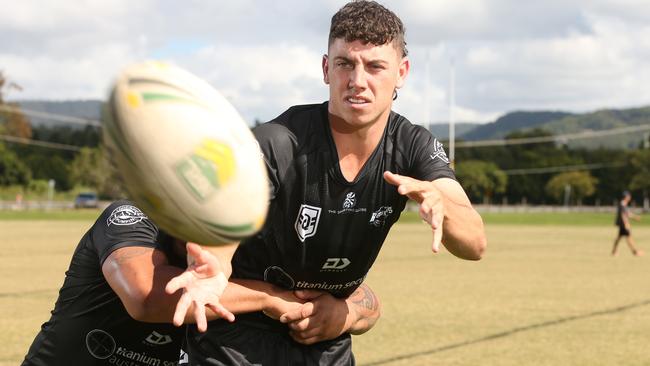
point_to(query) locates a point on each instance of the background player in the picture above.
(112, 307)
(623, 216)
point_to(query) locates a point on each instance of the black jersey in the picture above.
(621, 211)
(323, 232)
(89, 324)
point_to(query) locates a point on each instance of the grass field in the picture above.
(546, 293)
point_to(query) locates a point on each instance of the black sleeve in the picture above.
(122, 224)
(277, 144)
(427, 156)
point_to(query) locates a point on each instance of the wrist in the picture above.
(352, 318)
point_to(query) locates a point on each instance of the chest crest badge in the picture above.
(307, 221)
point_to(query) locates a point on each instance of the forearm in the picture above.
(366, 309)
(463, 230)
(246, 296)
(240, 296)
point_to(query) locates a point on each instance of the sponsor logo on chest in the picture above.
(378, 218)
(350, 200)
(158, 339)
(335, 264)
(348, 206)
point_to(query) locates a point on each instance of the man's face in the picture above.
(362, 79)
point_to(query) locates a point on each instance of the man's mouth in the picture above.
(356, 100)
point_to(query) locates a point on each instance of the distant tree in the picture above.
(640, 161)
(481, 179)
(86, 168)
(50, 167)
(90, 168)
(580, 183)
(12, 170)
(13, 123)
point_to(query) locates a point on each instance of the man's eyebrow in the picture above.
(342, 58)
(373, 61)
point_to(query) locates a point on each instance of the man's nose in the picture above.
(358, 78)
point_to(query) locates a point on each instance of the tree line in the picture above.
(552, 173)
(540, 173)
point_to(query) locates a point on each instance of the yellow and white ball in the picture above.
(186, 156)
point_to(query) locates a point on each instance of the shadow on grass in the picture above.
(510, 332)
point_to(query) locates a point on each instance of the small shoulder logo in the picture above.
(350, 200)
(378, 218)
(307, 221)
(125, 215)
(439, 152)
(158, 339)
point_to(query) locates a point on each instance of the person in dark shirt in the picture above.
(113, 308)
(341, 172)
(623, 216)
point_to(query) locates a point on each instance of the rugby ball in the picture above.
(185, 155)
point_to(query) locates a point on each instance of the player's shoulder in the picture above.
(295, 118)
(292, 126)
(122, 211)
(407, 136)
(122, 216)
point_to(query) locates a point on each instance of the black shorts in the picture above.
(246, 342)
(622, 231)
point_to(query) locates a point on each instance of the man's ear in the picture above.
(402, 71)
(325, 66)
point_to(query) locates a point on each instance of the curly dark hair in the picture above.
(368, 22)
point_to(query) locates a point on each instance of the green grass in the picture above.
(542, 218)
(81, 214)
(542, 295)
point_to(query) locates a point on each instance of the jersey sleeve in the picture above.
(277, 144)
(121, 225)
(427, 156)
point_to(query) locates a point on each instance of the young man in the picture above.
(112, 308)
(623, 216)
(341, 173)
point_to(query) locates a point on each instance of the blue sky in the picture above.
(265, 56)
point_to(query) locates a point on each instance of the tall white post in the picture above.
(452, 127)
(427, 91)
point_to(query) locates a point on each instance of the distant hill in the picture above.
(603, 120)
(556, 122)
(441, 130)
(511, 122)
(560, 123)
(86, 109)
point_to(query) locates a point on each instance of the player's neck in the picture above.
(355, 144)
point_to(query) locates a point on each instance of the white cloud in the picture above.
(574, 55)
(261, 81)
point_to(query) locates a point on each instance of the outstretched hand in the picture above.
(203, 282)
(432, 210)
